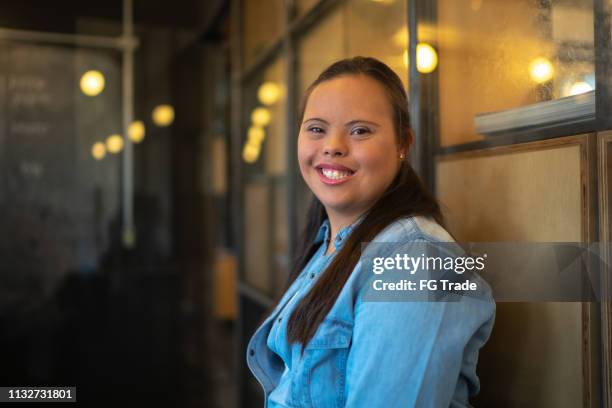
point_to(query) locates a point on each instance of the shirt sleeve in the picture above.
(416, 354)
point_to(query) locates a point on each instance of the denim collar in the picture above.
(325, 231)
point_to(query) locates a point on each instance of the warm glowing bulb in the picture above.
(541, 70)
(260, 116)
(580, 88)
(163, 115)
(92, 83)
(136, 131)
(114, 143)
(98, 150)
(269, 93)
(427, 58)
(256, 135)
(250, 152)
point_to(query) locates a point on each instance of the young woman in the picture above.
(324, 344)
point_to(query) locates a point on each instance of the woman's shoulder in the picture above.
(421, 228)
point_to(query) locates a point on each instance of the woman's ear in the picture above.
(410, 139)
(407, 142)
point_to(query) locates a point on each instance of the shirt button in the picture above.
(251, 352)
(280, 318)
(312, 276)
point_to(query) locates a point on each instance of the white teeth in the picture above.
(335, 174)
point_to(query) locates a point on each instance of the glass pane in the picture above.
(265, 161)
(495, 56)
(323, 45)
(272, 91)
(265, 122)
(48, 163)
(379, 30)
(263, 24)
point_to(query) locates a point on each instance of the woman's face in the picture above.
(347, 149)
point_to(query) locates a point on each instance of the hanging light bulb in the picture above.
(260, 116)
(98, 150)
(92, 83)
(427, 58)
(541, 70)
(136, 131)
(114, 143)
(163, 115)
(269, 93)
(250, 152)
(256, 134)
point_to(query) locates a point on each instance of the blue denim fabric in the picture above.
(374, 354)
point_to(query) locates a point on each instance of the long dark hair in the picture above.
(406, 196)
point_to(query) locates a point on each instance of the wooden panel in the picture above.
(605, 197)
(511, 194)
(530, 192)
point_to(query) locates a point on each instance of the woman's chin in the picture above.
(344, 207)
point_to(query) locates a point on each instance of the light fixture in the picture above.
(163, 115)
(260, 116)
(427, 58)
(98, 150)
(256, 135)
(136, 131)
(541, 70)
(250, 152)
(580, 87)
(114, 143)
(92, 83)
(269, 93)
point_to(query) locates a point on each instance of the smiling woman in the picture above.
(348, 114)
(315, 348)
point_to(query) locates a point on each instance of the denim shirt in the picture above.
(374, 354)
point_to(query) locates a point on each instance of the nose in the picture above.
(335, 145)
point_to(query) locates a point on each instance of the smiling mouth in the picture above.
(335, 175)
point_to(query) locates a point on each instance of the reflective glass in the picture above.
(496, 56)
(263, 22)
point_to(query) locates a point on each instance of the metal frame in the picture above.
(129, 230)
(424, 96)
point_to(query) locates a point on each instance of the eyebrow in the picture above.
(352, 122)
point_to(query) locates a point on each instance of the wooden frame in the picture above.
(604, 141)
(589, 233)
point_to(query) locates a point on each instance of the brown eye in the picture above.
(315, 129)
(360, 131)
